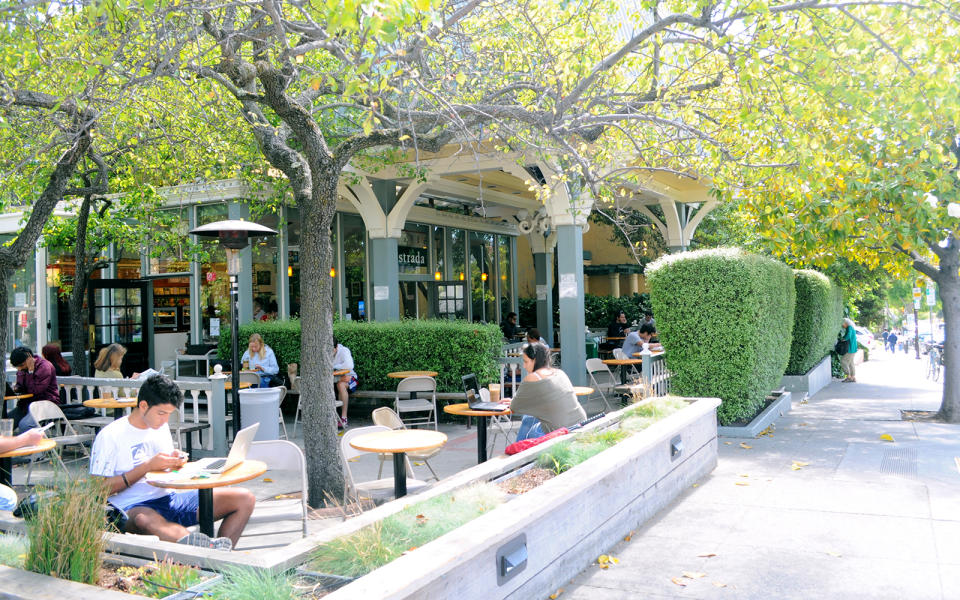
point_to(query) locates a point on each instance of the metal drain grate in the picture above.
(899, 461)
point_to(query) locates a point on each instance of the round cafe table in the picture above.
(405, 374)
(398, 442)
(117, 404)
(463, 409)
(228, 385)
(340, 372)
(581, 390)
(6, 465)
(8, 398)
(204, 484)
(623, 362)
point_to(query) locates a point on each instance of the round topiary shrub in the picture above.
(817, 316)
(725, 318)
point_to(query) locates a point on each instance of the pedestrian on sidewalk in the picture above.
(848, 361)
(892, 342)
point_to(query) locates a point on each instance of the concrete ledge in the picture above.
(567, 522)
(810, 382)
(777, 408)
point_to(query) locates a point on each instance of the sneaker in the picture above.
(203, 540)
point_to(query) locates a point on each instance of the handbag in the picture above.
(77, 411)
(841, 347)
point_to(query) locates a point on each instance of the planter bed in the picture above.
(563, 524)
(810, 382)
(779, 405)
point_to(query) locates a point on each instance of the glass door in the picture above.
(121, 311)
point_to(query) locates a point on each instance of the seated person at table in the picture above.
(545, 397)
(259, 357)
(635, 341)
(132, 446)
(107, 366)
(8, 497)
(344, 384)
(52, 353)
(509, 326)
(617, 329)
(533, 337)
(35, 375)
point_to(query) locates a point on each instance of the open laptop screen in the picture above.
(471, 387)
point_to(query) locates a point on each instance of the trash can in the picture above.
(261, 405)
(592, 348)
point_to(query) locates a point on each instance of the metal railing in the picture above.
(655, 375)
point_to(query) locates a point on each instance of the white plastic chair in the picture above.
(403, 403)
(280, 455)
(376, 489)
(601, 378)
(167, 367)
(44, 411)
(386, 417)
(619, 354)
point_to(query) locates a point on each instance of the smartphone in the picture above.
(46, 427)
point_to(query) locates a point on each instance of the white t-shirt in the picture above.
(119, 448)
(343, 359)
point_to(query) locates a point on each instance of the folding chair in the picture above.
(619, 354)
(377, 489)
(601, 379)
(44, 411)
(386, 417)
(403, 403)
(280, 455)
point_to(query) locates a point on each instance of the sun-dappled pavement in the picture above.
(843, 499)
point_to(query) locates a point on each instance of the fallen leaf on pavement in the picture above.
(695, 485)
(678, 581)
(768, 431)
(797, 465)
(742, 483)
(836, 554)
(803, 424)
(718, 584)
(693, 574)
(627, 537)
(707, 555)
(554, 595)
(728, 443)
(745, 445)
(886, 437)
(744, 475)
(267, 480)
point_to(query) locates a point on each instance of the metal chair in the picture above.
(280, 455)
(251, 377)
(44, 411)
(386, 417)
(298, 415)
(601, 378)
(379, 488)
(417, 385)
(619, 354)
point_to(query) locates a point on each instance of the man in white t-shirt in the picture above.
(344, 384)
(129, 448)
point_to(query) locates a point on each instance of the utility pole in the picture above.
(917, 293)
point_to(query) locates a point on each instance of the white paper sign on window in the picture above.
(541, 292)
(214, 327)
(381, 292)
(20, 299)
(568, 285)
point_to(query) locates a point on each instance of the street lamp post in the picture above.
(234, 236)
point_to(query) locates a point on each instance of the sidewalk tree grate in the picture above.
(900, 461)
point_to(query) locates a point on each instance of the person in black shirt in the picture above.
(619, 327)
(509, 326)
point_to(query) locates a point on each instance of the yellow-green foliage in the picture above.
(376, 545)
(13, 550)
(642, 416)
(161, 579)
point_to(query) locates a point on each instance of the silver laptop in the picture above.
(476, 404)
(238, 452)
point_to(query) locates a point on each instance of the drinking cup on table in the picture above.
(6, 427)
(494, 392)
(246, 365)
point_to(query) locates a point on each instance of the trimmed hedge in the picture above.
(817, 316)
(452, 348)
(725, 318)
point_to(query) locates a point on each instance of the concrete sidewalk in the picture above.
(863, 518)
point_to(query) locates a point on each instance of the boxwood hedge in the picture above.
(725, 319)
(452, 348)
(816, 320)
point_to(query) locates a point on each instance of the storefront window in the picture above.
(293, 258)
(165, 259)
(264, 253)
(413, 250)
(457, 263)
(482, 277)
(506, 280)
(214, 283)
(22, 304)
(355, 267)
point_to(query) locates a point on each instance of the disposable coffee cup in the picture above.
(494, 392)
(6, 427)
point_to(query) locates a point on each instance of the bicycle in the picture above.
(934, 362)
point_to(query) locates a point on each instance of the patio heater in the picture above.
(234, 236)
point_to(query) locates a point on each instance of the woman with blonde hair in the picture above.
(107, 365)
(259, 357)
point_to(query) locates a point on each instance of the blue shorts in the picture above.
(351, 385)
(176, 507)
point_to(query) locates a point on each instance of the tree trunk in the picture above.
(322, 445)
(948, 282)
(80, 280)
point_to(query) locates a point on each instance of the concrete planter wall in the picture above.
(564, 524)
(810, 382)
(780, 406)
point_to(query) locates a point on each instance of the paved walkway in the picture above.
(862, 518)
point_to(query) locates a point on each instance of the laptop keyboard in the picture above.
(217, 464)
